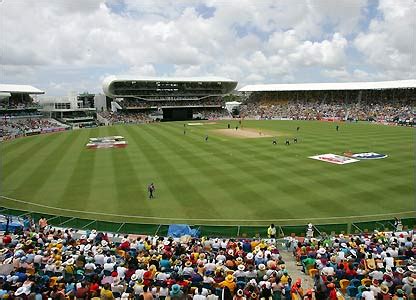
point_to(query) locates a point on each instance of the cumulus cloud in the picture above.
(389, 43)
(75, 43)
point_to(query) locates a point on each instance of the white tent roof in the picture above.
(379, 85)
(18, 88)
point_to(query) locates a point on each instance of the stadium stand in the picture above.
(176, 98)
(20, 115)
(392, 102)
(58, 263)
(41, 261)
(380, 263)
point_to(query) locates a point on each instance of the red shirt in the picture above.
(7, 239)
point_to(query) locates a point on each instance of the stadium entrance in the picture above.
(177, 114)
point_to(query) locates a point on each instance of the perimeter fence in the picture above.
(207, 230)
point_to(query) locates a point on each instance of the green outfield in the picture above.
(225, 180)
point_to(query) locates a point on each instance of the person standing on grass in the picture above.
(337, 127)
(151, 189)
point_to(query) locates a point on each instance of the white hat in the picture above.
(134, 277)
(262, 267)
(23, 290)
(83, 237)
(93, 231)
(321, 251)
(241, 267)
(104, 243)
(87, 247)
(70, 261)
(400, 270)
(343, 245)
(249, 255)
(8, 261)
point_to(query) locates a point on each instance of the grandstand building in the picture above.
(174, 98)
(16, 101)
(384, 101)
(74, 110)
(21, 114)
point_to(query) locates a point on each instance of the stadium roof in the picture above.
(168, 79)
(18, 88)
(226, 85)
(378, 85)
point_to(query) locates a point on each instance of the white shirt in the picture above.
(121, 271)
(199, 297)
(368, 295)
(37, 259)
(109, 267)
(99, 259)
(376, 275)
(389, 261)
(161, 276)
(89, 266)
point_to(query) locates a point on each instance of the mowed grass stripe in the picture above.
(13, 178)
(46, 166)
(16, 162)
(60, 174)
(14, 147)
(171, 196)
(77, 189)
(130, 189)
(245, 193)
(189, 192)
(226, 183)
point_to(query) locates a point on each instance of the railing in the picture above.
(208, 230)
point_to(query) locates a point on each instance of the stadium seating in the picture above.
(60, 263)
(339, 260)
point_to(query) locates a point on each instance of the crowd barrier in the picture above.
(209, 230)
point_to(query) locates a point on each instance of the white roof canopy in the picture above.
(18, 88)
(379, 85)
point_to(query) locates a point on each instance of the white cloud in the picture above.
(254, 41)
(389, 44)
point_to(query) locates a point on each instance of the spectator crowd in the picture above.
(368, 266)
(126, 118)
(272, 105)
(19, 127)
(42, 262)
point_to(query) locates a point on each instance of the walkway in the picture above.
(296, 271)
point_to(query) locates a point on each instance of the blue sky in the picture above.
(63, 46)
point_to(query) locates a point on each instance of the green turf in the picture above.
(226, 180)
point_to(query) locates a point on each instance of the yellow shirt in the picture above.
(106, 294)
